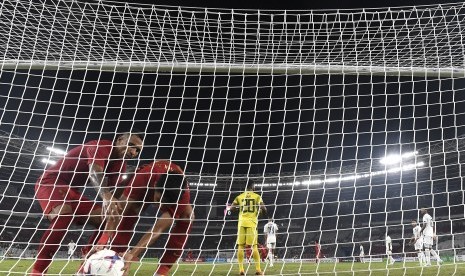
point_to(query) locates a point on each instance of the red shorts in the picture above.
(52, 193)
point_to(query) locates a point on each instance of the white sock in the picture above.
(433, 252)
(420, 257)
(428, 256)
(270, 257)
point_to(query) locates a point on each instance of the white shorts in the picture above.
(271, 245)
(388, 252)
(428, 241)
(362, 255)
(419, 244)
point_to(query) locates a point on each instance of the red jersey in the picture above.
(248, 252)
(143, 184)
(141, 189)
(317, 250)
(73, 169)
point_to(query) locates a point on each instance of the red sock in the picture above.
(50, 242)
(174, 246)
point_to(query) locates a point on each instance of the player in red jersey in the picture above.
(248, 253)
(317, 251)
(98, 163)
(263, 251)
(160, 182)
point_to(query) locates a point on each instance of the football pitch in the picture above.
(64, 267)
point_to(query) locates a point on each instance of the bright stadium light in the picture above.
(311, 182)
(56, 151)
(396, 158)
(48, 161)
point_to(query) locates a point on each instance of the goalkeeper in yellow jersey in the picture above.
(250, 205)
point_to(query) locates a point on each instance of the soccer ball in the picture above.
(104, 263)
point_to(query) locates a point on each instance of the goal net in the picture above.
(348, 121)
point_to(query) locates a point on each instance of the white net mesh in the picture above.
(305, 103)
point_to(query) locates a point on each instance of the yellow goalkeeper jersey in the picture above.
(249, 206)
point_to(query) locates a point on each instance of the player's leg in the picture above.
(427, 255)
(270, 254)
(240, 248)
(52, 199)
(252, 239)
(176, 240)
(420, 256)
(163, 222)
(90, 213)
(436, 256)
(428, 244)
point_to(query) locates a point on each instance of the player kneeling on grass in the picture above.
(160, 182)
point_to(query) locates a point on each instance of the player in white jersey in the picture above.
(417, 240)
(428, 233)
(71, 249)
(362, 254)
(390, 259)
(270, 231)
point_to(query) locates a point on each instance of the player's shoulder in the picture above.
(239, 196)
(427, 216)
(102, 142)
(161, 166)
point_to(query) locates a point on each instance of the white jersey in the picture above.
(362, 252)
(388, 243)
(418, 237)
(417, 232)
(270, 230)
(71, 247)
(428, 221)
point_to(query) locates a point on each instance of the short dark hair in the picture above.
(171, 185)
(250, 184)
(135, 132)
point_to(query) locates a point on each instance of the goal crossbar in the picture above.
(131, 66)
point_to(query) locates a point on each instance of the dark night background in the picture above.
(275, 128)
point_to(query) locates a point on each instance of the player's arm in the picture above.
(423, 227)
(412, 240)
(125, 204)
(100, 183)
(235, 206)
(163, 222)
(262, 208)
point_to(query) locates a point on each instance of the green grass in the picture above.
(15, 267)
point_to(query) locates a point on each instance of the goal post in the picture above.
(348, 121)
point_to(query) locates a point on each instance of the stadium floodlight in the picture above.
(48, 161)
(396, 158)
(311, 182)
(56, 151)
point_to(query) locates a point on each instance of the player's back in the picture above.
(271, 228)
(143, 183)
(249, 207)
(428, 220)
(388, 241)
(73, 168)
